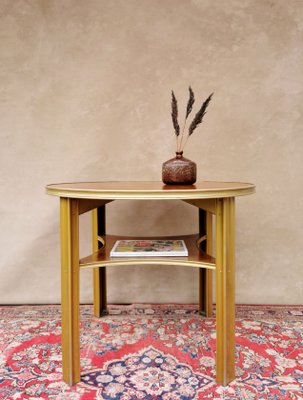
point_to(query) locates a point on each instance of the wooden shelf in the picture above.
(196, 258)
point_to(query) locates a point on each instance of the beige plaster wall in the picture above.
(85, 95)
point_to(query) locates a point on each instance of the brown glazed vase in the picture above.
(179, 171)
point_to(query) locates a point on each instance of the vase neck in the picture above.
(179, 154)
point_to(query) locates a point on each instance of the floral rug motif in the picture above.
(149, 374)
(151, 352)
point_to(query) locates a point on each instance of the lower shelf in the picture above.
(196, 258)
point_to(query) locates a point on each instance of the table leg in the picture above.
(99, 277)
(205, 275)
(69, 225)
(225, 288)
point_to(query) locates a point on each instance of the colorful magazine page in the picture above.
(149, 248)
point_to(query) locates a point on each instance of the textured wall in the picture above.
(85, 95)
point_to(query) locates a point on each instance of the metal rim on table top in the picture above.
(149, 190)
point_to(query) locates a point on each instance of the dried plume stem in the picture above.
(174, 115)
(189, 107)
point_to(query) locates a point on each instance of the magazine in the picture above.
(149, 248)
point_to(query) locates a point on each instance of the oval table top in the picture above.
(149, 190)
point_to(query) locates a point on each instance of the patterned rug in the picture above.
(151, 352)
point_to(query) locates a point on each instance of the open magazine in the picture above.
(149, 248)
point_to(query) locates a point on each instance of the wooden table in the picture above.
(211, 198)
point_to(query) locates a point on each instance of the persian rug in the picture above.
(151, 352)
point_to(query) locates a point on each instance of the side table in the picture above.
(211, 198)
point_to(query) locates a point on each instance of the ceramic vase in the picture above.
(179, 171)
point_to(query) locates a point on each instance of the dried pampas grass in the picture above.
(181, 141)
